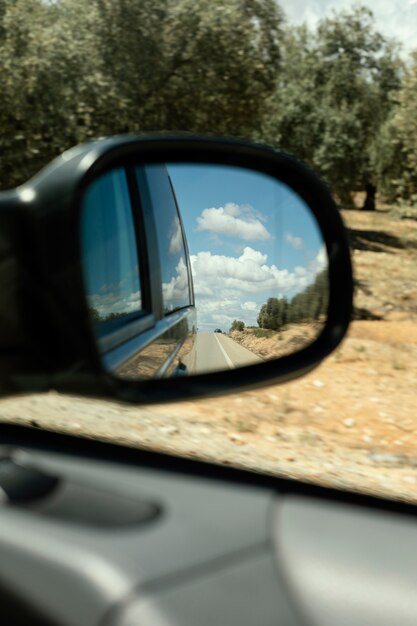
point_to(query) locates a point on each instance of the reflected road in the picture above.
(216, 352)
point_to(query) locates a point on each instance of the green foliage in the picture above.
(262, 333)
(338, 98)
(406, 118)
(333, 95)
(273, 314)
(237, 325)
(308, 305)
(224, 57)
(73, 70)
(389, 161)
(394, 155)
(51, 83)
(97, 318)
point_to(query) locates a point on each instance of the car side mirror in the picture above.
(193, 266)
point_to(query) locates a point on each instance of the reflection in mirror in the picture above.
(254, 273)
(110, 259)
(258, 261)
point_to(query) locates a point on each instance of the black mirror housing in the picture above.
(47, 340)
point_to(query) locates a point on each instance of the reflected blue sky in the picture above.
(250, 237)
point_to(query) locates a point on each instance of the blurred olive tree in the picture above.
(72, 70)
(333, 96)
(394, 157)
(339, 98)
(53, 87)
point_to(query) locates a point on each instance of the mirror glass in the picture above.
(192, 268)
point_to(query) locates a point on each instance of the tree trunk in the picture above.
(345, 200)
(369, 204)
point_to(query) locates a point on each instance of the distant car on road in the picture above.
(218, 330)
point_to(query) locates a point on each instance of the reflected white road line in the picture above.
(226, 356)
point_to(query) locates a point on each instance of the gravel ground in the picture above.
(351, 423)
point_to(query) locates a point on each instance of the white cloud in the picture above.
(391, 19)
(223, 320)
(250, 306)
(175, 293)
(296, 242)
(226, 288)
(222, 311)
(175, 237)
(111, 299)
(114, 302)
(234, 221)
(248, 273)
(222, 284)
(320, 262)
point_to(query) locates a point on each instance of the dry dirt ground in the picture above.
(277, 344)
(351, 423)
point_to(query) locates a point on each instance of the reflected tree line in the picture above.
(307, 306)
(96, 317)
(177, 332)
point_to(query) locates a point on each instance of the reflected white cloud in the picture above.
(175, 293)
(112, 302)
(296, 242)
(248, 273)
(233, 220)
(249, 306)
(175, 237)
(222, 284)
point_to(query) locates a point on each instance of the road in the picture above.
(216, 352)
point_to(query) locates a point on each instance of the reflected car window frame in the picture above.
(121, 339)
(111, 333)
(116, 206)
(185, 244)
(146, 177)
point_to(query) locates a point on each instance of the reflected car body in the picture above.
(139, 286)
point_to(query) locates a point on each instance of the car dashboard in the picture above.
(119, 537)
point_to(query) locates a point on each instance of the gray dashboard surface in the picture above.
(217, 553)
(211, 542)
(348, 564)
(247, 593)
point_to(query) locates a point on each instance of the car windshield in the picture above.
(331, 82)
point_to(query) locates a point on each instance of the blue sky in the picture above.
(394, 18)
(250, 238)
